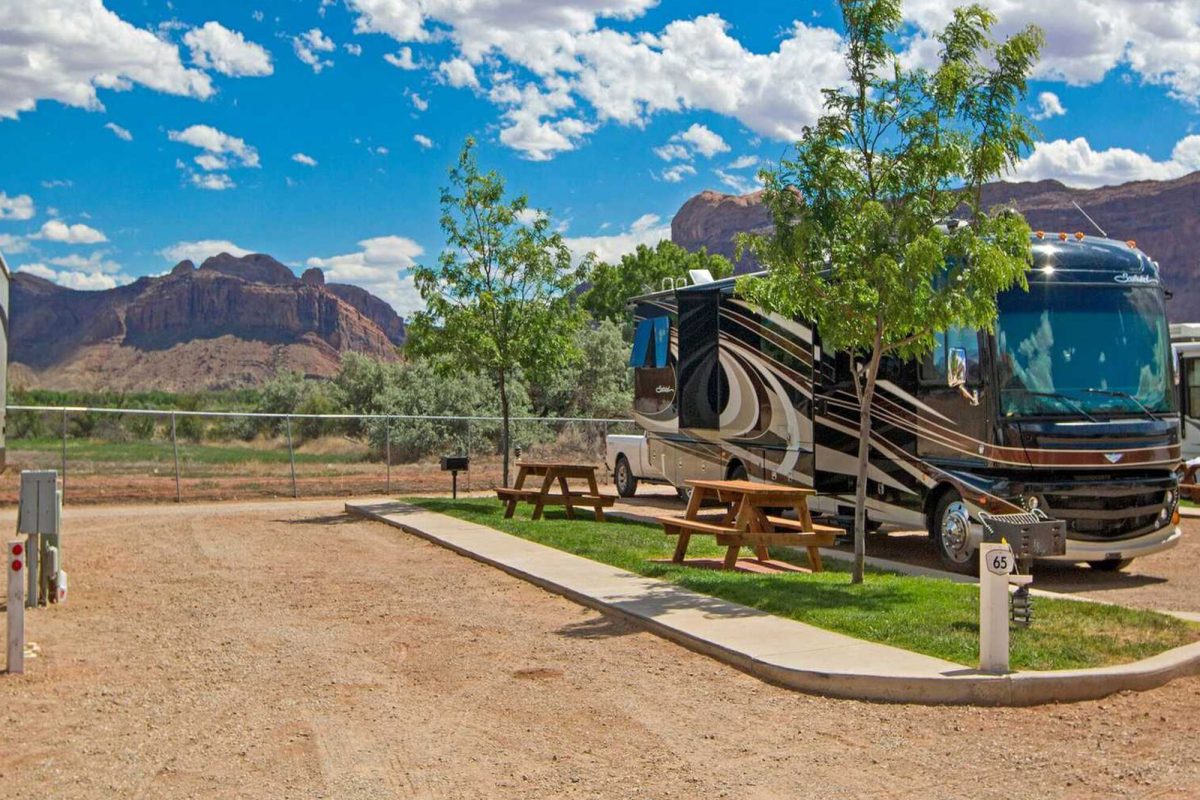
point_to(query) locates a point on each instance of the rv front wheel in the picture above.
(624, 478)
(951, 531)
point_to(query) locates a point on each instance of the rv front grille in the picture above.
(1104, 513)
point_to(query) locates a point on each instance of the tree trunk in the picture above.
(504, 429)
(864, 453)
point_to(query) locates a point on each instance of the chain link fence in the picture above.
(156, 455)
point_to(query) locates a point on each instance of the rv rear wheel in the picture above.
(1110, 564)
(624, 478)
(950, 527)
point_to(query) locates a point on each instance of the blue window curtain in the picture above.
(641, 343)
(662, 341)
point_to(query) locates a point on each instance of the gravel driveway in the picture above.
(274, 650)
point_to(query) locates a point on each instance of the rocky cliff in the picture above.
(231, 322)
(1163, 217)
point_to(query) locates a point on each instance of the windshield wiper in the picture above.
(1062, 398)
(1127, 396)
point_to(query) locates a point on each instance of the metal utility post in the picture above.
(292, 457)
(468, 453)
(64, 454)
(175, 447)
(387, 451)
(16, 607)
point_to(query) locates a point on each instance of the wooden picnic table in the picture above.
(553, 472)
(747, 521)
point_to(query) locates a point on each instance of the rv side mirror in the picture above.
(956, 367)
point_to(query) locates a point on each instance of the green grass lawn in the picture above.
(160, 452)
(936, 617)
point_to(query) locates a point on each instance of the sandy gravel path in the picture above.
(279, 650)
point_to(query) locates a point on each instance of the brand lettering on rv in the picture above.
(1125, 277)
(1114, 457)
(663, 389)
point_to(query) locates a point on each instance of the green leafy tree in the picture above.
(595, 383)
(860, 243)
(643, 271)
(499, 300)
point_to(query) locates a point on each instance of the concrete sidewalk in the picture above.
(779, 650)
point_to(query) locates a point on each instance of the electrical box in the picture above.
(38, 511)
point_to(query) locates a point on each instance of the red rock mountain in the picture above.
(1163, 217)
(233, 322)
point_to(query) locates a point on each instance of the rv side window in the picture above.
(933, 366)
(1192, 377)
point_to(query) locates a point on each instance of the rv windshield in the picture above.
(1083, 350)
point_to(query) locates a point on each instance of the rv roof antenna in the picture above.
(1089, 219)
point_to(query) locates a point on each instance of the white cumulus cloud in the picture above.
(216, 47)
(17, 207)
(402, 59)
(65, 50)
(382, 266)
(309, 45)
(1048, 106)
(677, 173)
(306, 160)
(1076, 163)
(119, 132)
(213, 181)
(648, 229)
(199, 250)
(423, 140)
(599, 74)
(76, 279)
(58, 231)
(703, 140)
(209, 138)
(1085, 39)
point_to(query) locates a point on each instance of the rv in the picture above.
(5, 278)
(1067, 406)
(1185, 342)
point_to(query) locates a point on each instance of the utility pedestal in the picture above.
(996, 564)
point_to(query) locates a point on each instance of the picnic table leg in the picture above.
(681, 547)
(521, 473)
(562, 484)
(814, 553)
(731, 556)
(541, 501)
(761, 523)
(693, 506)
(510, 505)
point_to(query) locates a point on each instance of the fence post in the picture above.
(175, 447)
(468, 455)
(64, 455)
(292, 457)
(387, 450)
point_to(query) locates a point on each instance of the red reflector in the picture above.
(16, 565)
(17, 549)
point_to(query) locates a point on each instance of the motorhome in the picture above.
(5, 278)
(1067, 405)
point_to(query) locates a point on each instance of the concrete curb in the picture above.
(784, 652)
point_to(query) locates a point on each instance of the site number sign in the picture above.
(999, 562)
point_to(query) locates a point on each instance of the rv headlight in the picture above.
(1163, 516)
(1031, 503)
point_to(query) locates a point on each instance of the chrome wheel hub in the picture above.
(956, 532)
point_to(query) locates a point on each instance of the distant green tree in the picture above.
(858, 245)
(640, 272)
(594, 384)
(499, 300)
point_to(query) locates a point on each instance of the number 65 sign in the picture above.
(999, 562)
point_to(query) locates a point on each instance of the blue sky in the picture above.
(137, 132)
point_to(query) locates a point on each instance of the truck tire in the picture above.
(949, 527)
(624, 478)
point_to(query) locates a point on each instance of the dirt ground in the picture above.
(278, 649)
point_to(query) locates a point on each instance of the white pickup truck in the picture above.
(628, 456)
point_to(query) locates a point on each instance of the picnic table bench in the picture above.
(553, 472)
(747, 521)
